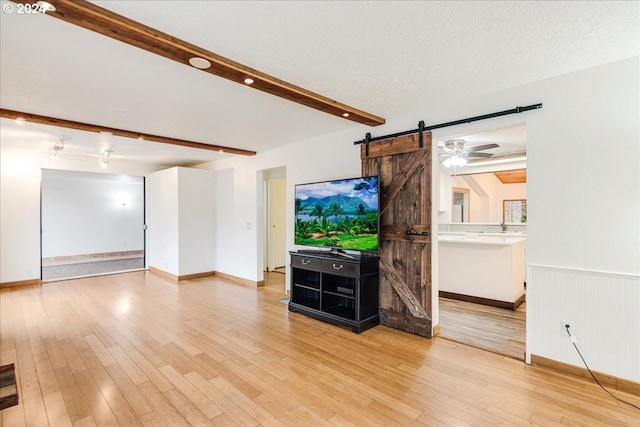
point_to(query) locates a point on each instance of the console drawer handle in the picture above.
(337, 268)
(306, 261)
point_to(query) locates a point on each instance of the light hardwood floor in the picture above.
(138, 349)
(491, 328)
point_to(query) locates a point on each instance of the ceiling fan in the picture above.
(456, 153)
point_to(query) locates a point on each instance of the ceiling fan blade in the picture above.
(478, 154)
(482, 147)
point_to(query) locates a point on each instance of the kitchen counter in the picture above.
(483, 239)
(488, 268)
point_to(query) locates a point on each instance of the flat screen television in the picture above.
(341, 214)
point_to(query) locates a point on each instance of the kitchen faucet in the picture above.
(504, 226)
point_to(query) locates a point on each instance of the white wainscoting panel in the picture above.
(604, 308)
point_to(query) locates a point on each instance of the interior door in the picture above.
(404, 169)
(277, 224)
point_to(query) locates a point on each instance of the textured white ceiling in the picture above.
(386, 58)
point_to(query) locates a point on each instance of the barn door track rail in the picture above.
(422, 128)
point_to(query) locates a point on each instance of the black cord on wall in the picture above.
(573, 341)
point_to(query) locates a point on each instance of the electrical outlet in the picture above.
(564, 327)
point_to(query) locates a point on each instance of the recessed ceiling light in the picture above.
(20, 121)
(46, 6)
(345, 114)
(248, 81)
(200, 63)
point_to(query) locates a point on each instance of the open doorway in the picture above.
(459, 204)
(91, 224)
(275, 218)
(482, 240)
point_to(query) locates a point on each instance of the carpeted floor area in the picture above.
(66, 271)
(8, 388)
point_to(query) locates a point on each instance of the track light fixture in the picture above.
(57, 147)
(104, 158)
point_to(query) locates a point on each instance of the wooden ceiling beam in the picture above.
(110, 24)
(69, 124)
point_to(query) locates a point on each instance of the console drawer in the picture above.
(339, 267)
(304, 262)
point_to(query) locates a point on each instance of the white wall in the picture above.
(196, 223)
(83, 213)
(583, 215)
(19, 217)
(238, 189)
(229, 230)
(163, 221)
(181, 221)
(575, 166)
(604, 308)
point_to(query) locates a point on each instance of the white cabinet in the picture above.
(487, 269)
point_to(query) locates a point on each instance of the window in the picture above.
(514, 211)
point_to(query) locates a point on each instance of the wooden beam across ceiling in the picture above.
(110, 24)
(69, 124)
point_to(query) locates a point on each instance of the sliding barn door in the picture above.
(404, 169)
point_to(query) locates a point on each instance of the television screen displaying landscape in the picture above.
(340, 214)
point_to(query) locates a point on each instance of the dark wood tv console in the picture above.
(338, 290)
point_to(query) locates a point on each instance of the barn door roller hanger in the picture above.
(422, 128)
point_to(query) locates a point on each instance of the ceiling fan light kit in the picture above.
(456, 153)
(455, 161)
